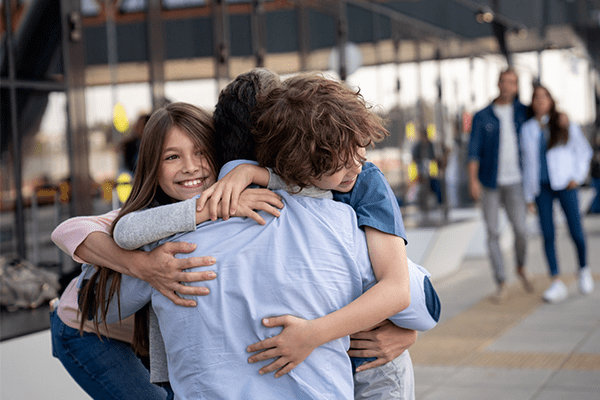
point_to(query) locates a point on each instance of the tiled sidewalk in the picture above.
(522, 349)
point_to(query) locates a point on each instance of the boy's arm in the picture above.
(388, 296)
(87, 240)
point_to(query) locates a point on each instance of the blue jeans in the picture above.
(105, 368)
(595, 207)
(570, 205)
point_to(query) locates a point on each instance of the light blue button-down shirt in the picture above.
(309, 262)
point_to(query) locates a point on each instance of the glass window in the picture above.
(90, 8)
(174, 4)
(131, 6)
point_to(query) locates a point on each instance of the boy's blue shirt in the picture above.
(376, 206)
(374, 202)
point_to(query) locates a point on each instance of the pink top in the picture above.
(68, 236)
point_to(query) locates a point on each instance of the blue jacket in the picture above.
(484, 143)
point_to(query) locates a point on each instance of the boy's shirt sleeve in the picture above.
(147, 226)
(374, 202)
(424, 310)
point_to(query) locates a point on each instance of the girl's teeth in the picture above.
(192, 183)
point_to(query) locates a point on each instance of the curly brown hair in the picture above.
(311, 126)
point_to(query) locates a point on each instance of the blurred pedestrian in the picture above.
(428, 163)
(556, 160)
(131, 146)
(495, 174)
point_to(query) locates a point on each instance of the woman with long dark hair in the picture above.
(556, 160)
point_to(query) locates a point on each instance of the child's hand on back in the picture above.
(290, 347)
(258, 199)
(223, 196)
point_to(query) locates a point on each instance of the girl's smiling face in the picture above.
(184, 171)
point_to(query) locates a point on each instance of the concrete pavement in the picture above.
(522, 349)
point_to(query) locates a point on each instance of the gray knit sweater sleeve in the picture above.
(275, 182)
(142, 227)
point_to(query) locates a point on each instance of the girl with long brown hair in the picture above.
(177, 162)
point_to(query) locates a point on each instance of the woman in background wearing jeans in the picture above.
(556, 160)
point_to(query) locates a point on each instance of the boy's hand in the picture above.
(290, 347)
(258, 199)
(226, 191)
(385, 341)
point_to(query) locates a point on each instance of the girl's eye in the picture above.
(171, 157)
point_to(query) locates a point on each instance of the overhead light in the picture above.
(484, 16)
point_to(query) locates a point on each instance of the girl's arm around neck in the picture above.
(87, 240)
(139, 228)
(159, 267)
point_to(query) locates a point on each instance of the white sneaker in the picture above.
(586, 281)
(556, 292)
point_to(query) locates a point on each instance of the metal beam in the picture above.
(47, 86)
(155, 40)
(16, 139)
(221, 42)
(341, 38)
(77, 135)
(259, 32)
(425, 29)
(303, 33)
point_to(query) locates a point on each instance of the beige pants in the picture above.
(394, 380)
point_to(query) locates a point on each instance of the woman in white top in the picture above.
(556, 159)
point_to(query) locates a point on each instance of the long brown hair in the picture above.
(559, 133)
(99, 291)
(310, 126)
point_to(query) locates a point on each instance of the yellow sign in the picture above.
(120, 118)
(123, 186)
(410, 130)
(413, 172)
(433, 169)
(431, 132)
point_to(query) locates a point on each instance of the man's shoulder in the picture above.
(318, 206)
(485, 112)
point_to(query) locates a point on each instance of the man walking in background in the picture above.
(495, 174)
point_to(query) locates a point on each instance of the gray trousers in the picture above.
(513, 201)
(394, 380)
